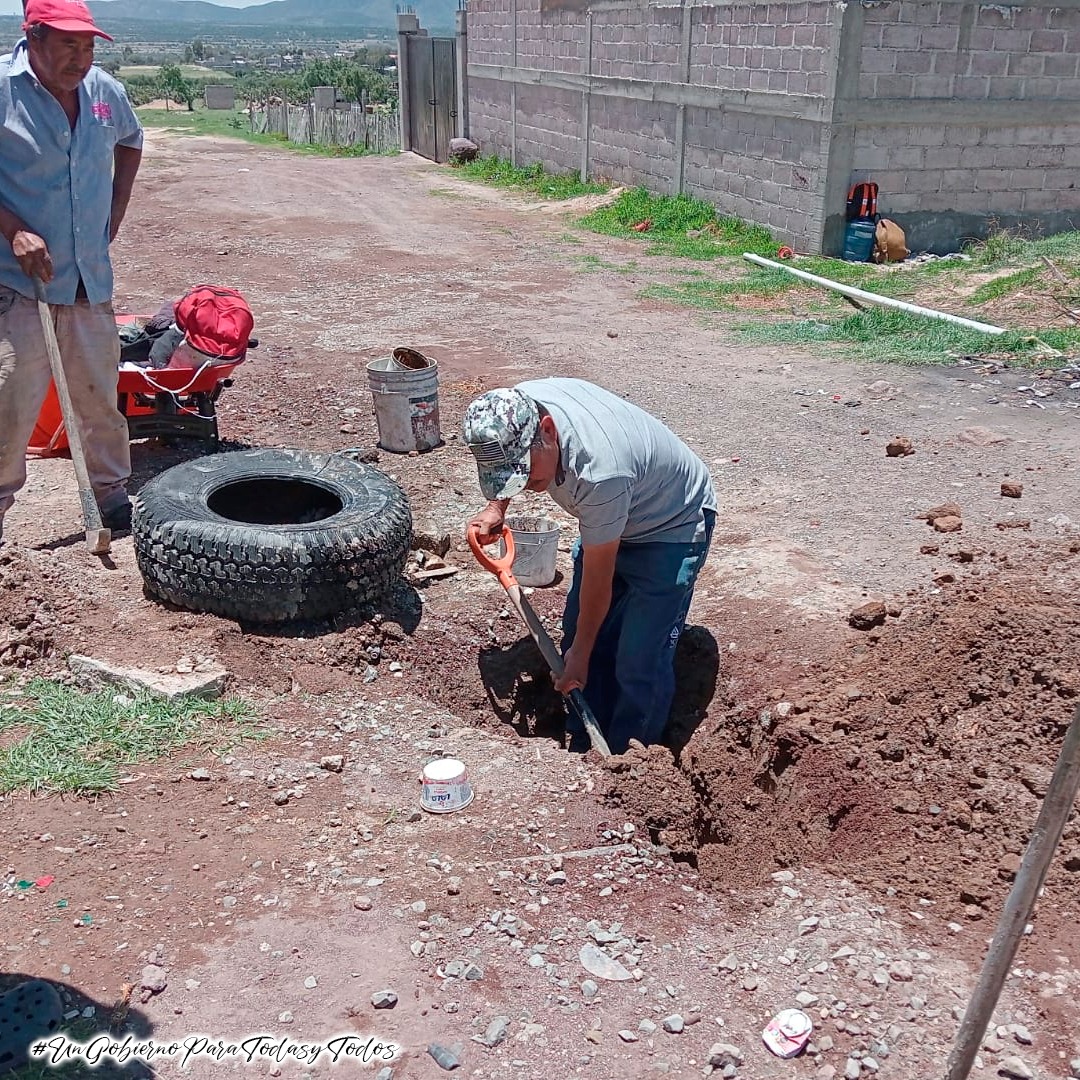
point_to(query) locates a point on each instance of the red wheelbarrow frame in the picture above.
(161, 402)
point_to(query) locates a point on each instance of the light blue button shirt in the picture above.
(58, 180)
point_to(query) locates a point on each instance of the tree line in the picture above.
(355, 80)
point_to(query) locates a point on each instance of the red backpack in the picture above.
(862, 201)
(216, 320)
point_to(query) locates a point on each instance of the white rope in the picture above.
(180, 389)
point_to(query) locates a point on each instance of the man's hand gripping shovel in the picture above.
(501, 569)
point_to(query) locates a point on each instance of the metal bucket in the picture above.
(406, 401)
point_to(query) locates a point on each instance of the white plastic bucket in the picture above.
(406, 404)
(445, 786)
(536, 543)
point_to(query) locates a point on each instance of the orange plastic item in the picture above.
(137, 396)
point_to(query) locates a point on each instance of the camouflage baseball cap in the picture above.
(499, 429)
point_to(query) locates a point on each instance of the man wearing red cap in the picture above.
(70, 147)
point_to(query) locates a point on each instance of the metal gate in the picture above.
(432, 75)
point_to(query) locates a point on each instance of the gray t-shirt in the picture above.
(624, 474)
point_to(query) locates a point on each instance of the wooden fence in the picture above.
(376, 131)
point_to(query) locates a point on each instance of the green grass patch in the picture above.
(883, 335)
(708, 294)
(227, 124)
(680, 225)
(57, 739)
(1009, 247)
(592, 263)
(531, 178)
(1005, 285)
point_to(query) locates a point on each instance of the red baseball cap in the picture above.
(71, 15)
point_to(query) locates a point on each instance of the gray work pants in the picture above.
(90, 348)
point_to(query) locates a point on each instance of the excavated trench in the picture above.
(913, 757)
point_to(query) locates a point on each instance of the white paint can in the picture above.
(445, 786)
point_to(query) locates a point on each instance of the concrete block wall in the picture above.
(966, 114)
(637, 43)
(993, 104)
(490, 113)
(761, 168)
(491, 32)
(551, 136)
(782, 48)
(623, 56)
(632, 142)
(550, 41)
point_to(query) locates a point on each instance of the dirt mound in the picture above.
(27, 621)
(915, 759)
(650, 786)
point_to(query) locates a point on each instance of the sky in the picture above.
(14, 7)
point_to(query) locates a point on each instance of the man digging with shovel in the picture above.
(70, 147)
(645, 508)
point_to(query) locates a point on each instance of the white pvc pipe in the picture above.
(873, 298)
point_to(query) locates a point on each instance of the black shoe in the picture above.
(118, 519)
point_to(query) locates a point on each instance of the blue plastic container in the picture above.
(859, 239)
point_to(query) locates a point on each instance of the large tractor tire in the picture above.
(270, 536)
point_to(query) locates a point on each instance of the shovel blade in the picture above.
(98, 541)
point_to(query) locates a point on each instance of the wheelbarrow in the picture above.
(156, 402)
(501, 568)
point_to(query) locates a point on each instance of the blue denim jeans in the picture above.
(631, 671)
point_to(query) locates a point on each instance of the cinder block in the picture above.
(971, 88)
(1042, 200)
(913, 63)
(895, 86)
(934, 86)
(1065, 66)
(1030, 64)
(908, 157)
(871, 159)
(879, 61)
(1046, 156)
(990, 179)
(978, 157)
(1007, 88)
(1032, 17)
(945, 63)
(797, 82)
(1012, 41)
(1048, 41)
(1063, 180)
(900, 37)
(923, 180)
(1047, 89)
(1013, 157)
(943, 37)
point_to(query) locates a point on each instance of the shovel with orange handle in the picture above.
(501, 569)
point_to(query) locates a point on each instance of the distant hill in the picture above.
(339, 14)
